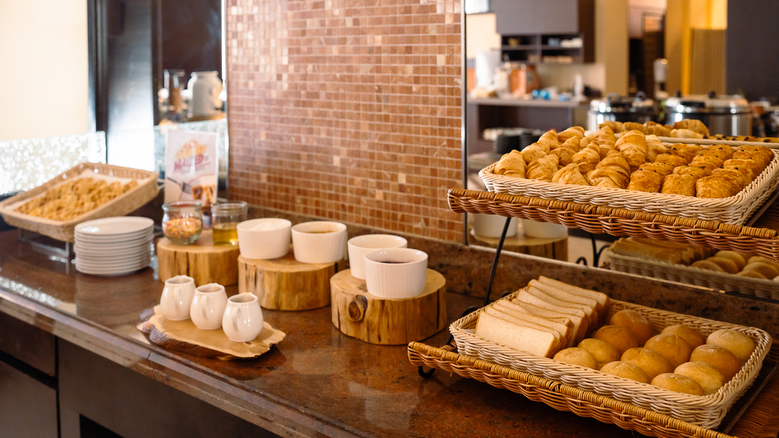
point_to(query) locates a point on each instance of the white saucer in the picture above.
(105, 261)
(120, 267)
(96, 238)
(114, 226)
(112, 249)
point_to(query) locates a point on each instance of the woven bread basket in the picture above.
(733, 210)
(705, 411)
(697, 276)
(123, 204)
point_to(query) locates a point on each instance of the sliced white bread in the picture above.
(517, 311)
(520, 337)
(540, 307)
(600, 297)
(500, 313)
(589, 312)
(567, 296)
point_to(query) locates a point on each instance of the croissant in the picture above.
(676, 184)
(714, 187)
(612, 171)
(511, 164)
(693, 125)
(570, 174)
(587, 158)
(673, 160)
(584, 142)
(611, 124)
(688, 151)
(633, 146)
(535, 151)
(661, 168)
(566, 151)
(550, 139)
(685, 133)
(654, 148)
(573, 131)
(607, 141)
(543, 169)
(633, 126)
(657, 129)
(646, 181)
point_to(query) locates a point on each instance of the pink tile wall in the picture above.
(348, 110)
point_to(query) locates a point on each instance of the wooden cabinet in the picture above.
(28, 407)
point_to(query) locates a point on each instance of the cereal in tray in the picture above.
(74, 198)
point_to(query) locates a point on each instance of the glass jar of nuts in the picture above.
(182, 222)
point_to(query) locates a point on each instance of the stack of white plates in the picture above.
(113, 245)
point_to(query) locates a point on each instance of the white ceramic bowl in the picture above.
(395, 272)
(361, 245)
(319, 241)
(263, 239)
(544, 230)
(489, 225)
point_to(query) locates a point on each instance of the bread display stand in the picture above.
(387, 321)
(203, 261)
(285, 283)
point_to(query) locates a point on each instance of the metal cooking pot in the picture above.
(726, 115)
(618, 108)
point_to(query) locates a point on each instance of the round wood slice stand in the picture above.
(202, 261)
(387, 321)
(285, 283)
(551, 248)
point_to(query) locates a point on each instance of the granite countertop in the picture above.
(316, 382)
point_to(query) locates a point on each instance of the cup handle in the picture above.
(204, 309)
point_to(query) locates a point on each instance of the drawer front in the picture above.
(28, 344)
(28, 408)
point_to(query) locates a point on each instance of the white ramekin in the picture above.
(319, 241)
(403, 278)
(488, 225)
(263, 239)
(361, 245)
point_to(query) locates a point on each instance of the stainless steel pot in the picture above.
(726, 115)
(618, 108)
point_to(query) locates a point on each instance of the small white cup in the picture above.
(319, 241)
(395, 272)
(208, 306)
(263, 239)
(361, 245)
(242, 320)
(177, 297)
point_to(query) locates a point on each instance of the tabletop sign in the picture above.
(191, 166)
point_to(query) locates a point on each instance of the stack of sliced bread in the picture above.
(543, 318)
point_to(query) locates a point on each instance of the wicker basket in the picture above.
(705, 411)
(63, 230)
(734, 210)
(697, 276)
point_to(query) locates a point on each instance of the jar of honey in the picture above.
(225, 217)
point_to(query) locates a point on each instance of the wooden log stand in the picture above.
(202, 260)
(387, 321)
(285, 283)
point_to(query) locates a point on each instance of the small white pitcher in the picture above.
(242, 319)
(208, 306)
(177, 297)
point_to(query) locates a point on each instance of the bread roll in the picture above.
(706, 375)
(577, 356)
(618, 336)
(672, 347)
(603, 352)
(678, 383)
(752, 274)
(767, 270)
(705, 264)
(690, 335)
(726, 264)
(638, 325)
(733, 256)
(734, 341)
(648, 360)
(676, 184)
(625, 370)
(761, 259)
(723, 360)
(673, 160)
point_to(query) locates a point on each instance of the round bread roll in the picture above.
(706, 375)
(618, 336)
(760, 259)
(603, 352)
(678, 383)
(705, 264)
(751, 274)
(733, 256)
(625, 370)
(690, 335)
(768, 271)
(734, 341)
(576, 356)
(723, 360)
(638, 325)
(727, 265)
(648, 360)
(672, 347)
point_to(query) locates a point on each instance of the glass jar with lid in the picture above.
(182, 222)
(225, 218)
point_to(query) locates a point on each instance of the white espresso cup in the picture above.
(263, 239)
(361, 245)
(319, 241)
(395, 272)
(177, 297)
(208, 306)
(242, 320)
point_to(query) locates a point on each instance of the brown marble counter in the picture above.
(317, 381)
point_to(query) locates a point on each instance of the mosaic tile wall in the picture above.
(348, 110)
